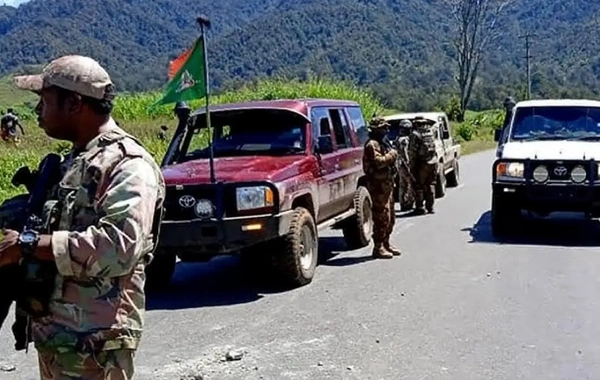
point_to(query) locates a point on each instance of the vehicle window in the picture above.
(339, 124)
(556, 123)
(320, 122)
(251, 132)
(358, 124)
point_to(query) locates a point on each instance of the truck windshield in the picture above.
(248, 133)
(556, 123)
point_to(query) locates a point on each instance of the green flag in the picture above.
(187, 76)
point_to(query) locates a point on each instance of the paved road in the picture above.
(456, 305)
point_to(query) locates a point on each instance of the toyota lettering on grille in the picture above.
(187, 201)
(560, 171)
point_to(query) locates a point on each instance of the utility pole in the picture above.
(528, 57)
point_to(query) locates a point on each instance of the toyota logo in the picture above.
(187, 201)
(560, 171)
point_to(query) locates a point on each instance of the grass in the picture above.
(135, 115)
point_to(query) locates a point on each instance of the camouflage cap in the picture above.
(405, 123)
(378, 123)
(82, 75)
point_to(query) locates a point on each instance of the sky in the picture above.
(14, 3)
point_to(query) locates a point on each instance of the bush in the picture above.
(452, 108)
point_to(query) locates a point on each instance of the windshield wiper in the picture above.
(545, 137)
(587, 138)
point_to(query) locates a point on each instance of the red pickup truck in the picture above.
(279, 171)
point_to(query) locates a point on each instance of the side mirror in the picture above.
(445, 134)
(498, 134)
(324, 145)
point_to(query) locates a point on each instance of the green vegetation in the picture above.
(132, 113)
(401, 49)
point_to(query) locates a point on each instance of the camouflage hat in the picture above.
(420, 120)
(405, 123)
(82, 75)
(378, 123)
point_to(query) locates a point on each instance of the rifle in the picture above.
(30, 283)
(388, 146)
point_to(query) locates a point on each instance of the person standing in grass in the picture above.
(110, 198)
(8, 127)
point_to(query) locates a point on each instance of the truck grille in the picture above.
(560, 171)
(176, 212)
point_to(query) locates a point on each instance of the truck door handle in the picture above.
(337, 166)
(356, 161)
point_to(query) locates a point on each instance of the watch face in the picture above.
(27, 237)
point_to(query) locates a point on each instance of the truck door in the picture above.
(349, 158)
(330, 183)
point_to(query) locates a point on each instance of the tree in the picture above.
(475, 27)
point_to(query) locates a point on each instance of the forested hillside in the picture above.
(400, 48)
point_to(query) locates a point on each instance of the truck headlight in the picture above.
(255, 197)
(510, 170)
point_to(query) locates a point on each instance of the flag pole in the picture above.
(204, 24)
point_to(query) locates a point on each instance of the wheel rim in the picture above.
(307, 248)
(367, 219)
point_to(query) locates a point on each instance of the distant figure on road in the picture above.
(407, 194)
(379, 163)
(8, 127)
(423, 158)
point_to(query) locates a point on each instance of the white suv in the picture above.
(547, 160)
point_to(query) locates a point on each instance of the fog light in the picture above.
(540, 174)
(204, 209)
(578, 174)
(252, 227)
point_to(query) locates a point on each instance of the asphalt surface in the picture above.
(456, 305)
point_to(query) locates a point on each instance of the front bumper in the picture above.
(549, 197)
(221, 236)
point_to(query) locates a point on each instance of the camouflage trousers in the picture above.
(425, 176)
(384, 217)
(72, 365)
(407, 193)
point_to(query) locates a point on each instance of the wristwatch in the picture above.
(28, 241)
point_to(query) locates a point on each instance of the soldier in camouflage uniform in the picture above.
(105, 232)
(379, 162)
(407, 195)
(424, 163)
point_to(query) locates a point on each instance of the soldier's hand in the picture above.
(393, 154)
(9, 248)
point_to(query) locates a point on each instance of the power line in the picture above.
(528, 58)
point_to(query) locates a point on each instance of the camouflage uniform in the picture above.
(424, 164)
(101, 242)
(407, 196)
(377, 165)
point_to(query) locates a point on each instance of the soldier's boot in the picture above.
(379, 252)
(390, 248)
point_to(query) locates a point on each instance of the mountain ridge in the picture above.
(400, 48)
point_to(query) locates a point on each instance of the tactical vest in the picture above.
(426, 150)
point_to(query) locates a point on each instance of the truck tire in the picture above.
(296, 254)
(440, 185)
(160, 270)
(359, 229)
(453, 178)
(503, 216)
